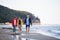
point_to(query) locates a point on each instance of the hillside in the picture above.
(6, 14)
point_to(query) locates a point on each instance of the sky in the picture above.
(47, 10)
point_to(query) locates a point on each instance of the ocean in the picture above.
(48, 30)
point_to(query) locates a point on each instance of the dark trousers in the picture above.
(14, 28)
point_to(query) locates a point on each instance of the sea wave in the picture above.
(48, 30)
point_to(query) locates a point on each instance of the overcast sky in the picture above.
(47, 10)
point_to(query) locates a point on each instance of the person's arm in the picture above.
(17, 22)
(30, 21)
(25, 21)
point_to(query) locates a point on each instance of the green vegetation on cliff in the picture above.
(6, 14)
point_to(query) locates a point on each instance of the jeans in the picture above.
(14, 28)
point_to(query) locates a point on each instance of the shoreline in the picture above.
(9, 27)
(30, 35)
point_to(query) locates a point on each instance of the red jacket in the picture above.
(13, 22)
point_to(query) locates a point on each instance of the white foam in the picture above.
(48, 34)
(56, 31)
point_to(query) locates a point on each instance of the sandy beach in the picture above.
(23, 36)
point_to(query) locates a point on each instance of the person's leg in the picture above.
(20, 28)
(28, 29)
(14, 28)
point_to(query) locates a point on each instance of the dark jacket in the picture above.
(30, 22)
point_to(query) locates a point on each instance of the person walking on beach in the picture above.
(20, 23)
(14, 24)
(28, 23)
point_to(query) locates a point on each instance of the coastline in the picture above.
(31, 35)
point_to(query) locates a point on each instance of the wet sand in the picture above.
(23, 36)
